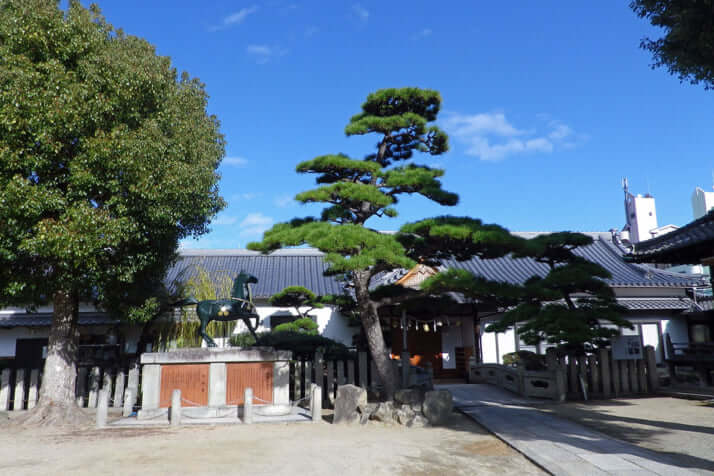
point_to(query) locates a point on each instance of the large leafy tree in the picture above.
(355, 190)
(686, 46)
(107, 160)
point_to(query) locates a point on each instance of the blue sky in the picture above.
(548, 104)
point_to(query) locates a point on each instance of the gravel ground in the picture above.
(463, 447)
(680, 428)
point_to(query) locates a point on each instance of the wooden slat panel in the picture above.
(256, 375)
(191, 379)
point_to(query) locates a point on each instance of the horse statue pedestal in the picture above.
(213, 380)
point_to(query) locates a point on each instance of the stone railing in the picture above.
(549, 384)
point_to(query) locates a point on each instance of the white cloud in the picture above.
(491, 136)
(235, 161)
(264, 53)
(224, 220)
(283, 201)
(360, 12)
(235, 18)
(244, 196)
(255, 224)
(425, 32)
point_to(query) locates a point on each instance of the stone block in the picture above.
(404, 415)
(384, 413)
(419, 421)
(349, 398)
(438, 405)
(175, 413)
(217, 384)
(409, 396)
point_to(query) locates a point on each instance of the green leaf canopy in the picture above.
(107, 157)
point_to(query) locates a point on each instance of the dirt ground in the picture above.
(463, 447)
(683, 429)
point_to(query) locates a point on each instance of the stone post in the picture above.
(281, 382)
(93, 387)
(316, 403)
(572, 375)
(616, 378)
(175, 414)
(319, 372)
(133, 383)
(129, 396)
(404, 357)
(248, 406)
(642, 374)
(624, 376)
(362, 369)
(151, 386)
(652, 377)
(19, 390)
(605, 377)
(634, 382)
(107, 382)
(81, 386)
(5, 390)
(594, 375)
(102, 408)
(32, 393)
(330, 382)
(217, 374)
(351, 372)
(119, 389)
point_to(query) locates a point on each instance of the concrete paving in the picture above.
(559, 446)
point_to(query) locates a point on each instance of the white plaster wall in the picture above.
(488, 347)
(330, 322)
(8, 338)
(83, 307)
(506, 343)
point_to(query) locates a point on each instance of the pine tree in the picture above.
(355, 190)
(572, 306)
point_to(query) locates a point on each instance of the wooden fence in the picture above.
(360, 371)
(19, 389)
(572, 377)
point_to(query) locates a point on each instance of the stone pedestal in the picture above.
(209, 377)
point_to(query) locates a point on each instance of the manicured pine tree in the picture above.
(355, 190)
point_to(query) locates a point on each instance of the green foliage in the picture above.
(107, 159)
(304, 325)
(570, 305)
(460, 238)
(243, 339)
(526, 359)
(685, 49)
(304, 345)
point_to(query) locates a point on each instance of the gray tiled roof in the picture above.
(656, 303)
(601, 251)
(276, 271)
(662, 248)
(304, 267)
(44, 319)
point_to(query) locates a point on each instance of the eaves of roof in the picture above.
(45, 319)
(678, 246)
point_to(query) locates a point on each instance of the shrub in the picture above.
(304, 345)
(525, 358)
(304, 325)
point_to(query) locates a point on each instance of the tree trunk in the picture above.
(60, 373)
(373, 332)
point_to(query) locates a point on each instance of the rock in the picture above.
(418, 422)
(438, 406)
(404, 415)
(417, 407)
(409, 396)
(367, 409)
(384, 413)
(349, 398)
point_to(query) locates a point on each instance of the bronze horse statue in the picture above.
(239, 306)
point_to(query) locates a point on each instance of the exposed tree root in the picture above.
(54, 415)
